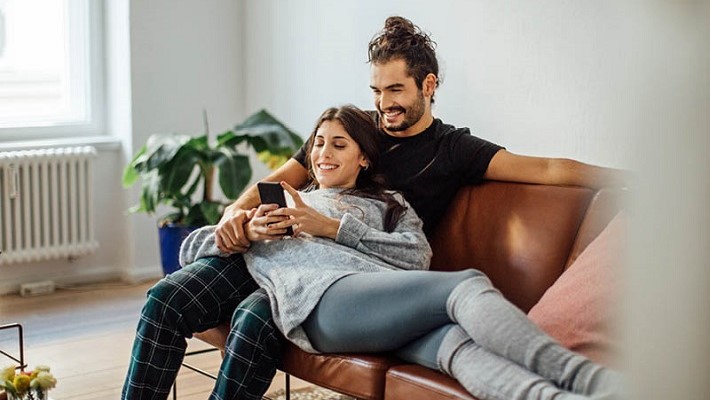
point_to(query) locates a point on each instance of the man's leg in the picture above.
(252, 352)
(192, 299)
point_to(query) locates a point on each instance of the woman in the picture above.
(335, 286)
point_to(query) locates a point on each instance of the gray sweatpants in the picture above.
(455, 322)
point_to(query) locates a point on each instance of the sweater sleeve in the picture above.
(199, 243)
(406, 247)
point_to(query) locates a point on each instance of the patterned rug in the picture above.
(310, 393)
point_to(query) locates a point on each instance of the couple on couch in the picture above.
(335, 286)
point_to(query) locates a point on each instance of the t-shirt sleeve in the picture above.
(300, 155)
(471, 155)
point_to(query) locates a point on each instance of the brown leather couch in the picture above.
(522, 236)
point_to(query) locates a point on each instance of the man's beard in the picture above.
(412, 115)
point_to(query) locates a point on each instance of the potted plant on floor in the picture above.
(173, 168)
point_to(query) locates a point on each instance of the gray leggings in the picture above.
(393, 310)
(493, 349)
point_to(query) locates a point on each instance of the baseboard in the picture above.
(142, 275)
(99, 276)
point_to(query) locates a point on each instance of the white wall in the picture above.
(185, 56)
(538, 78)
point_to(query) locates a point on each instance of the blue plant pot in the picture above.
(171, 237)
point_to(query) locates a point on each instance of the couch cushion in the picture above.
(358, 375)
(519, 235)
(602, 209)
(413, 382)
(578, 308)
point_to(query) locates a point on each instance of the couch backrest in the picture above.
(520, 235)
(605, 204)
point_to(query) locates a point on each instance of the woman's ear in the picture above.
(364, 163)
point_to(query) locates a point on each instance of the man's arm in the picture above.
(506, 166)
(230, 236)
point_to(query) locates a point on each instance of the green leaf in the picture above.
(234, 172)
(150, 194)
(212, 211)
(263, 132)
(176, 173)
(130, 174)
(230, 139)
(10, 387)
(176, 217)
(162, 149)
(204, 213)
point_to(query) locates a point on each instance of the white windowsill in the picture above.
(100, 142)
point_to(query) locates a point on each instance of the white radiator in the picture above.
(46, 204)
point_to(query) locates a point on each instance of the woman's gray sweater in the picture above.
(295, 272)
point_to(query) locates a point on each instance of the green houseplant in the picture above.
(181, 171)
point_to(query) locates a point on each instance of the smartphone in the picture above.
(273, 193)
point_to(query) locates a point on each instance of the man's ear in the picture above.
(429, 84)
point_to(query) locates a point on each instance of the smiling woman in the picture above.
(336, 158)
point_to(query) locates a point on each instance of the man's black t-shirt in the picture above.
(430, 167)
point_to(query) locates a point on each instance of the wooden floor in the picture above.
(85, 335)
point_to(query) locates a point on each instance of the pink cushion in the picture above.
(578, 309)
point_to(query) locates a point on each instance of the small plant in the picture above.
(27, 385)
(174, 167)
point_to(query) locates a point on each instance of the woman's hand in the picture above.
(304, 218)
(263, 225)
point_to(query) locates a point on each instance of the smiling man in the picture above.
(423, 157)
(401, 104)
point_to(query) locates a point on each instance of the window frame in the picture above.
(94, 96)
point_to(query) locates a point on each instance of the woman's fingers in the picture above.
(294, 194)
(266, 227)
(281, 223)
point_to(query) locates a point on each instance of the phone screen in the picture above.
(273, 193)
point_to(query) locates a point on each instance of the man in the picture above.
(425, 159)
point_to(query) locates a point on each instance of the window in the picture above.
(50, 70)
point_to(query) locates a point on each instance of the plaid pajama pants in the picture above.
(192, 299)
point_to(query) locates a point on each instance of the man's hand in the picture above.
(229, 235)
